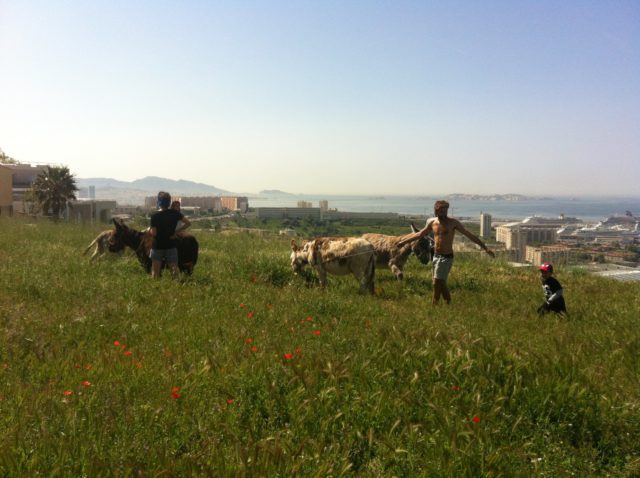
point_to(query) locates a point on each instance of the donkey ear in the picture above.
(116, 223)
(294, 246)
(413, 227)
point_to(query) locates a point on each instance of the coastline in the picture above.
(587, 209)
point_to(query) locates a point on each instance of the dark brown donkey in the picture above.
(141, 241)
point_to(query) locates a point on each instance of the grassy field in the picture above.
(245, 370)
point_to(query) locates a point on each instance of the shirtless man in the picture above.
(444, 228)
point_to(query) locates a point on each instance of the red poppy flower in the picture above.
(86, 383)
(128, 353)
(175, 389)
(67, 392)
(77, 365)
(455, 388)
(116, 343)
(288, 356)
(175, 395)
(138, 365)
(248, 340)
(254, 349)
(230, 401)
(241, 305)
(316, 332)
(249, 315)
(309, 318)
(476, 419)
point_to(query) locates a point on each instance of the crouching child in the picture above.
(554, 299)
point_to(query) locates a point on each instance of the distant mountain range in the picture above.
(134, 192)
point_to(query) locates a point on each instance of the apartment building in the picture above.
(531, 231)
(207, 203)
(235, 203)
(556, 254)
(485, 225)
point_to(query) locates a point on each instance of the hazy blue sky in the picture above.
(362, 97)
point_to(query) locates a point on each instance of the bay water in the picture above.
(588, 209)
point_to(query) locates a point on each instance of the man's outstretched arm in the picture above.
(474, 238)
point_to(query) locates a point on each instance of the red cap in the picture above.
(546, 267)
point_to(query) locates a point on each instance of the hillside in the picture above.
(244, 369)
(134, 192)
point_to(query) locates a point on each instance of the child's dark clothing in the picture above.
(554, 301)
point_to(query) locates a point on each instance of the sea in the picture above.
(588, 209)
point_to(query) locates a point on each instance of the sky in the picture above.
(332, 97)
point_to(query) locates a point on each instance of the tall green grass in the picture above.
(246, 370)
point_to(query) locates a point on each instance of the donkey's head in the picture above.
(299, 256)
(123, 236)
(423, 247)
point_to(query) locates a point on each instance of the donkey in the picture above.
(141, 242)
(390, 255)
(338, 256)
(101, 242)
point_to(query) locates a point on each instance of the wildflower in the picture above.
(77, 365)
(476, 419)
(288, 356)
(88, 366)
(175, 389)
(248, 340)
(249, 315)
(175, 396)
(138, 365)
(298, 350)
(86, 383)
(241, 305)
(116, 343)
(128, 353)
(230, 401)
(316, 332)
(455, 388)
(269, 306)
(67, 393)
(309, 318)
(254, 349)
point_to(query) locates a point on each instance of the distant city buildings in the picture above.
(87, 193)
(538, 240)
(305, 204)
(214, 204)
(318, 213)
(517, 235)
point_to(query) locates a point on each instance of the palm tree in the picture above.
(53, 188)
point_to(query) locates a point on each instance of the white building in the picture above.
(485, 225)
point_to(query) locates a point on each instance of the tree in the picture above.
(4, 159)
(53, 188)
